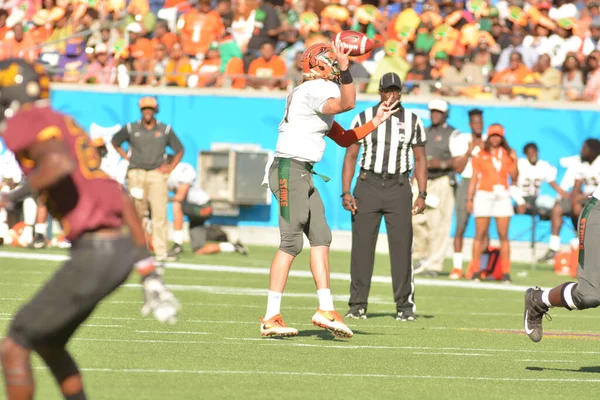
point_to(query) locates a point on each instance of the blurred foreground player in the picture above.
(308, 118)
(572, 296)
(63, 169)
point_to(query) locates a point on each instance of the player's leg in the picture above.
(482, 225)
(41, 226)
(158, 197)
(560, 208)
(502, 224)
(16, 367)
(178, 213)
(319, 236)
(30, 210)
(365, 231)
(291, 191)
(439, 221)
(573, 296)
(462, 219)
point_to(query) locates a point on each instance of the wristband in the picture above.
(145, 267)
(422, 195)
(345, 77)
(345, 193)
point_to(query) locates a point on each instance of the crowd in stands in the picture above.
(538, 49)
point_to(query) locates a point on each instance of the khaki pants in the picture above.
(151, 187)
(432, 229)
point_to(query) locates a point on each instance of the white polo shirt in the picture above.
(303, 128)
(459, 145)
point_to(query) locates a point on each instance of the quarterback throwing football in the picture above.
(326, 90)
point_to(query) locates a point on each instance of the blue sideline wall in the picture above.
(200, 120)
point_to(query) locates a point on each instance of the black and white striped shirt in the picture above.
(388, 149)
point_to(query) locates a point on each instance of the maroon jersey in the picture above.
(88, 199)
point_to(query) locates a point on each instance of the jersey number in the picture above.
(87, 155)
(529, 183)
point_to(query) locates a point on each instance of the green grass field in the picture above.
(466, 344)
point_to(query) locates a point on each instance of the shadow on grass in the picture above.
(588, 370)
(326, 335)
(393, 315)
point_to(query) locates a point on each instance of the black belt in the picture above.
(384, 175)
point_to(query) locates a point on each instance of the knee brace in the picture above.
(574, 298)
(291, 243)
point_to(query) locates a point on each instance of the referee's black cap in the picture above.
(389, 80)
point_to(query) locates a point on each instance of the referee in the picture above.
(383, 189)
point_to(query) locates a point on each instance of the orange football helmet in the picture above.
(319, 62)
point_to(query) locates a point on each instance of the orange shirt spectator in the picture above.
(199, 28)
(3, 28)
(163, 35)
(18, 45)
(178, 68)
(235, 70)
(515, 74)
(140, 47)
(268, 65)
(208, 71)
(492, 170)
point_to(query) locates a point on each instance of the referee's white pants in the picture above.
(432, 228)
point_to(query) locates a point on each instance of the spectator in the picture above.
(209, 70)
(592, 86)
(235, 71)
(108, 36)
(199, 27)
(18, 44)
(103, 70)
(267, 28)
(178, 67)
(489, 197)
(158, 65)
(71, 64)
(539, 40)
(3, 28)
(163, 35)
(63, 30)
(440, 65)
(139, 11)
(147, 175)
(294, 73)
(140, 50)
(546, 76)
(572, 80)
(360, 73)
(288, 46)
(420, 71)
(266, 68)
(592, 42)
(393, 60)
(90, 22)
(224, 8)
(563, 42)
(564, 9)
(242, 25)
(528, 55)
(583, 25)
(515, 74)
(460, 77)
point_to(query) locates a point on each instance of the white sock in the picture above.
(325, 300)
(273, 304)
(457, 261)
(41, 228)
(178, 237)
(27, 235)
(3, 230)
(554, 242)
(227, 247)
(545, 298)
(29, 211)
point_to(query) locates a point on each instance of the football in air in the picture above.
(358, 42)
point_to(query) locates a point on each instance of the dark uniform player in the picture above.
(63, 169)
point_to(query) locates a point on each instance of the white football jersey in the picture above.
(116, 168)
(459, 144)
(531, 176)
(185, 174)
(589, 174)
(303, 128)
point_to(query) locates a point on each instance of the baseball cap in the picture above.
(438, 105)
(100, 48)
(496, 129)
(388, 80)
(148, 102)
(544, 5)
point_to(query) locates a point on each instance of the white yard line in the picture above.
(175, 332)
(338, 375)
(301, 274)
(451, 354)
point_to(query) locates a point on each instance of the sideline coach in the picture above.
(383, 189)
(148, 173)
